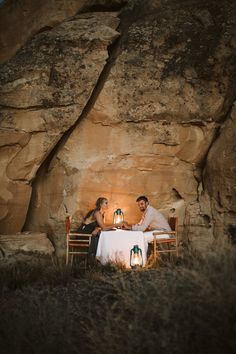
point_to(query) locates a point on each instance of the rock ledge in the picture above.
(27, 242)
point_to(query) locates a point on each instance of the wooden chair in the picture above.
(166, 245)
(77, 244)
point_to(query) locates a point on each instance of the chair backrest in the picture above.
(173, 222)
(76, 243)
(68, 224)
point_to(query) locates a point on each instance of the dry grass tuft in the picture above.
(184, 308)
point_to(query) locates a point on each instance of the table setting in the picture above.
(122, 246)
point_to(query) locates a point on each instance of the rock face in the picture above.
(44, 89)
(20, 20)
(220, 178)
(164, 96)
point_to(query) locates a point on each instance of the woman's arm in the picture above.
(100, 221)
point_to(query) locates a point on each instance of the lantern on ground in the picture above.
(118, 216)
(136, 257)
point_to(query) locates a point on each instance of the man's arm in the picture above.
(146, 222)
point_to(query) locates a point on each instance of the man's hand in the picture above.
(125, 226)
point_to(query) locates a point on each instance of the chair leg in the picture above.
(155, 248)
(169, 255)
(71, 260)
(150, 261)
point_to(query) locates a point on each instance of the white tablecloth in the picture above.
(115, 246)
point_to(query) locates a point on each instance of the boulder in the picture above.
(26, 242)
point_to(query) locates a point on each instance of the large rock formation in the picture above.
(159, 105)
(44, 89)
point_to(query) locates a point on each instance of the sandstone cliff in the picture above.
(91, 109)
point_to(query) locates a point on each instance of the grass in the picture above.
(188, 308)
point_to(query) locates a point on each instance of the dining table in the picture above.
(115, 246)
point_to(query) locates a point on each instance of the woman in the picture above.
(94, 222)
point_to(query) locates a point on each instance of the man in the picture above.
(152, 220)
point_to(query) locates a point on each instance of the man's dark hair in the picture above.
(142, 197)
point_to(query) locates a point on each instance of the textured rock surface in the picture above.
(27, 242)
(152, 125)
(19, 20)
(44, 89)
(220, 178)
(170, 88)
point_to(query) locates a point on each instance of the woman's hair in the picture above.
(98, 207)
(99, 202)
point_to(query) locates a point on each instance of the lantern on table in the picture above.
(118, 216)
(136, 257)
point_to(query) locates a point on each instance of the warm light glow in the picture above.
(136, 260)
(118, 216)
